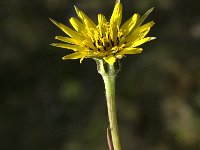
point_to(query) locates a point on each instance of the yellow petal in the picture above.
(68, 46)
(113, 32)
(73, 56)
(116, 15)
(141, 20)
(102, 26)
(133, 50)
(78, 26)
(83, 17)
(129, 24)
(101, 19)
(129, 51)
(139, 42)
(68, 40)
(139, 33)
(110, 59)
(88, 25)
(147, 25)
(67, 30)
(115, 21)
(81, 60)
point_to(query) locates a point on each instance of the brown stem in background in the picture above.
(109, 140)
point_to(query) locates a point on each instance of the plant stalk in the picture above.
(108, 73)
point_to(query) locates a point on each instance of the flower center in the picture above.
(104, 39)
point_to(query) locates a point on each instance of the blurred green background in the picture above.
(50, 104)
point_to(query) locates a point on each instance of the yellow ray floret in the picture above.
(106, 40)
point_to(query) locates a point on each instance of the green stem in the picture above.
(108, 73)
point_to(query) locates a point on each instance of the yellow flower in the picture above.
(106, 40)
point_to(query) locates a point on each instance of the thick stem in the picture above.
(108, 73)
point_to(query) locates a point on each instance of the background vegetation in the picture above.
(50, 104)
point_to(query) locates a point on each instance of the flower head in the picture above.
(108, 40)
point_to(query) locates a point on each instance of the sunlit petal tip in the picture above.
(117, 1)
(51, 19)
(73, 56)
(150, 10)
(140, 21)
(57, 37)
(118, 8)
(77, 10)
(54, 22)
(152, 38)
(140, 50)
(53, 44)
(117, 14)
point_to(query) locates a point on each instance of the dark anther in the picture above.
(108, 36)
(98, 49)
(117, 40)
(112, 43)
(98, 42)
(90, 48)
